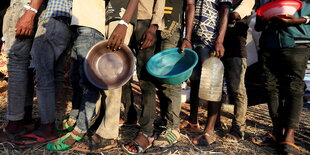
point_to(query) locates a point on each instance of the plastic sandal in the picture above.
(65, 126)
(291, 148)
(138, 144)
(268, 140)
(167, 138)
(59, 145)
(6, 136)
(94, 144)
(189, 126)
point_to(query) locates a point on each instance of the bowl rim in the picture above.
(87, 69)
(260, 11)
(176, 75)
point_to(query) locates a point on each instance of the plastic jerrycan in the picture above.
(211, 80)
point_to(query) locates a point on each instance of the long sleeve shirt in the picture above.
(245, 8)
(153, 10)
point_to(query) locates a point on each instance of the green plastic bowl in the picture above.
(172, 66)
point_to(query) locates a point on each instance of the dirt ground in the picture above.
(258, 124)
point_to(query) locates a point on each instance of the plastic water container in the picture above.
(211, 81)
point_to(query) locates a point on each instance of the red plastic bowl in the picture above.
(279, 7)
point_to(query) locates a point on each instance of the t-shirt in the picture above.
(153, 10)
(173, 17)
(206, 21)
(90, 13)
(116, 9)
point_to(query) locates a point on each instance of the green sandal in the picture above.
(65, 126)
(59, 145)
(167, 138)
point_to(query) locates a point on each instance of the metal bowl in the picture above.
(107, 69)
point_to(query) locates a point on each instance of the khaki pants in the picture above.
(109, 127)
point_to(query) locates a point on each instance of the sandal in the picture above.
(141, 143)
(290, 148)
(232, 137)
(31, 139)
(65, 126)
(204, 139)
(167, 138)
(94, 144)
(189, 126)
(58, 145)
(5, 136)
(268, 140)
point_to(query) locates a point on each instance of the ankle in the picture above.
(71, 122)
(79, 134)
(289, 135)
(209, 131)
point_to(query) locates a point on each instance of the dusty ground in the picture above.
(258, 123)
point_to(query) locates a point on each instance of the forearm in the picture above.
(222, 26)
(300, 20)
(189, 18)
(131, 7)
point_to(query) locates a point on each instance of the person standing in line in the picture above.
(235, 64)
(48, 52)
(170, 95)
(211, 18)
(149, 20)
(285, 48)
(19, 28)
(91, 25)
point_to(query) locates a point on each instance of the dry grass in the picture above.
(258, 123)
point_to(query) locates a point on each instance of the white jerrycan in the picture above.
(211, 80)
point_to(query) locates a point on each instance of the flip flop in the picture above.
(5, 136)
(289, 147)
(189, 126)
(267, 140)
(29, 140)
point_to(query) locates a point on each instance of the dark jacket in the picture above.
(277, 36)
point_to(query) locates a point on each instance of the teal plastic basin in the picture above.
(171, 66)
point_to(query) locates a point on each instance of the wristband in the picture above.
(122, 22)
(187, 40)
(28, 7)
(307, 19)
